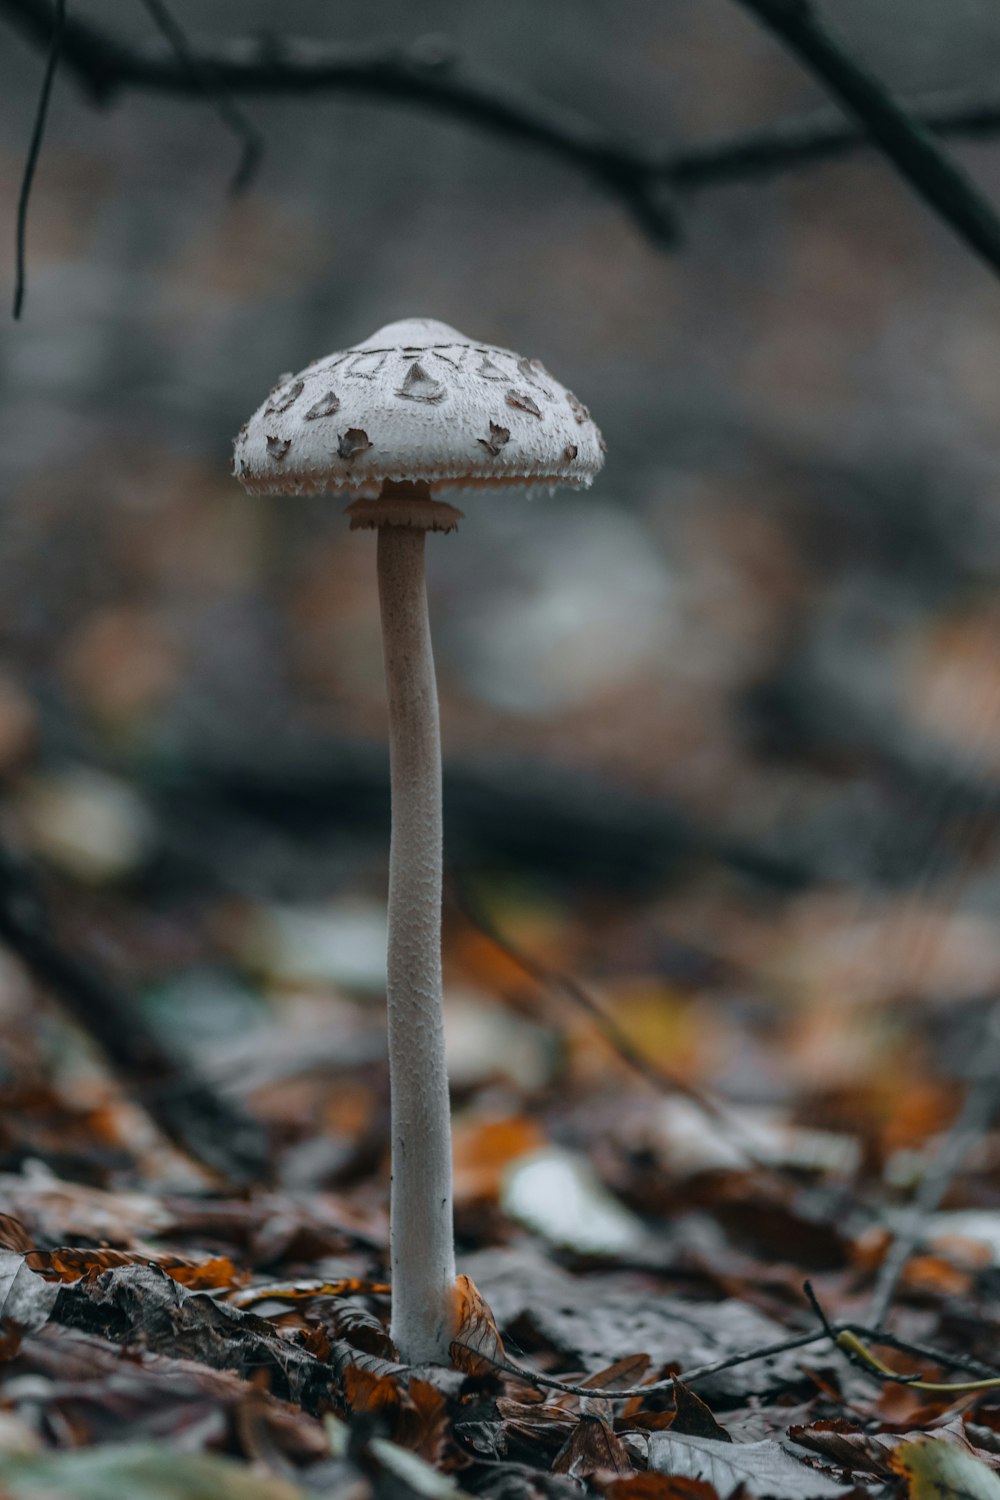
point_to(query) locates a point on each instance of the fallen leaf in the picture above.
(26, 1300)
(415, 1475)
(416, 1414)
(935, 1469)
(592, 1448)
(121, 1471)
(764, 1468)
(477, 1345)
(592, 1323)
(847, 1446)
(622, 1374)
(694, 1418)
(660, 1487)
(13, 1235)
(70, 1264)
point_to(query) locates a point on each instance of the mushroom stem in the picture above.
(422, 1248)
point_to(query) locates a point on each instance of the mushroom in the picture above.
(414, 410)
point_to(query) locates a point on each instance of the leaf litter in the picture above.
(150, 1309)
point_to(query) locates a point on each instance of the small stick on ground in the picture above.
(660, 1078)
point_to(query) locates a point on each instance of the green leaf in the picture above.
(123, 1471)
(935, 1469)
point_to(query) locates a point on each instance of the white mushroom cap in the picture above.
(418, 403)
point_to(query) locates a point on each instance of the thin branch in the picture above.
(846, 1337)
(943, 1357)
(938, 180)
(659, 1078)
(34, 148)
(979, 1110)
(230, 113)
(792, 145)
(685, 1377)
(850, 1340)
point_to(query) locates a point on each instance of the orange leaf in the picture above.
(477, 1340)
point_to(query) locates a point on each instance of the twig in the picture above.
(981, 1105)
(188, 1110)
(660, 1078)
(849, 1339)
(686, 1377)
(938, 180)
(792, 145)
(34, 148)
(230, 114)
(923, 1351)
(860, 1354)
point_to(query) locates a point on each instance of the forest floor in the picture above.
(724, 1176)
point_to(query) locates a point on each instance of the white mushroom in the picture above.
(416, 409)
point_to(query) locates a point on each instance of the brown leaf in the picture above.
(365, 1392)
(424, 1422)
(623, 1373)
(660, 1487)
(544, 1417)
(592, 1448)
(69, 1264)
(416, 1415)
(362, 1330)
(646, 1421)
(484, 1149)
(477, 1345)
(13, 1235)
(847, 1446)
(694, 1418)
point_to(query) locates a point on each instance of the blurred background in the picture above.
(723, 734)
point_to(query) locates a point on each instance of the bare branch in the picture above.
(34, 148)
(643, 179)
(791, 145)
(230, 113)
(938, 180)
